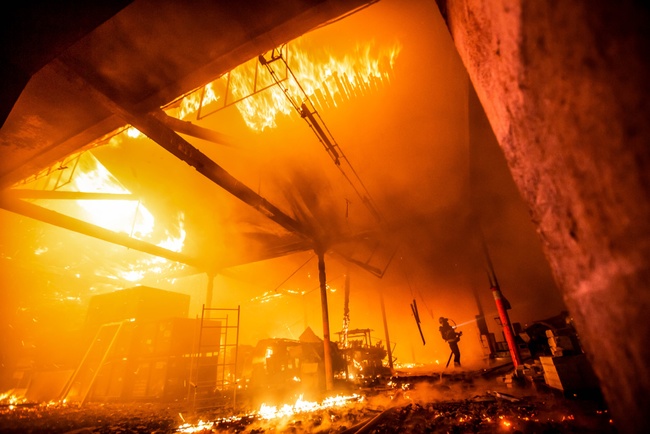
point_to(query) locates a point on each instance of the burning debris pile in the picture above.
(424, 404)
(459, 402)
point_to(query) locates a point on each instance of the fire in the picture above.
(326, 79)
(270, 412)
(84, 173)
(125, 216)
(267, 412)
(192, 105)
(278, 293)
(11, 400)
(200, 426)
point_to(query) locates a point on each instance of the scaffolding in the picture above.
(213, 371)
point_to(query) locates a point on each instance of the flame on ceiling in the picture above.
(84, 173)
(326, 79)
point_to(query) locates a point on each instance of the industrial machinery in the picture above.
(364, 361)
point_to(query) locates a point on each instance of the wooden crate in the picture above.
(568, 373)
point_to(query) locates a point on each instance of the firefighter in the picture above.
(452, 337)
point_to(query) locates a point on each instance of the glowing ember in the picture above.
(84, 173)
(9, 399)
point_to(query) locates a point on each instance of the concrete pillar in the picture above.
(327, 349)
(564, 86)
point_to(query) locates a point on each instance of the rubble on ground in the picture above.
(457, 403)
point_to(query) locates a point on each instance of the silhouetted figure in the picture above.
(452, 337)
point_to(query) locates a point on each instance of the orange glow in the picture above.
(391, 141)
(133, 133)
(122, 216)
(126, 216)
(200, 426)
(117, 215)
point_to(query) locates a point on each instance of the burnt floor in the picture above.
(458, 402)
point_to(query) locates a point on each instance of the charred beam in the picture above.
(63, 221)
(65, 195)
(189, 129)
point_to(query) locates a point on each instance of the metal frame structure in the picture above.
(212, 375)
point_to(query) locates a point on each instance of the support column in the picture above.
(389, 351)
(327, 353)
(507, 328)
(209, 291)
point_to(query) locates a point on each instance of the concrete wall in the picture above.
(564, 85)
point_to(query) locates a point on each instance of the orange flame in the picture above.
(130, 216)
(327, 80)
(269, 412)
(303, 406)
(11, 400)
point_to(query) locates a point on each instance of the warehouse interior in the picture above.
(326, 166)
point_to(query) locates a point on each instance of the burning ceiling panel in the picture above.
(142, 63)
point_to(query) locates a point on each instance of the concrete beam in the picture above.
(63, 221)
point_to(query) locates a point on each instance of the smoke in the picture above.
(311, 201)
